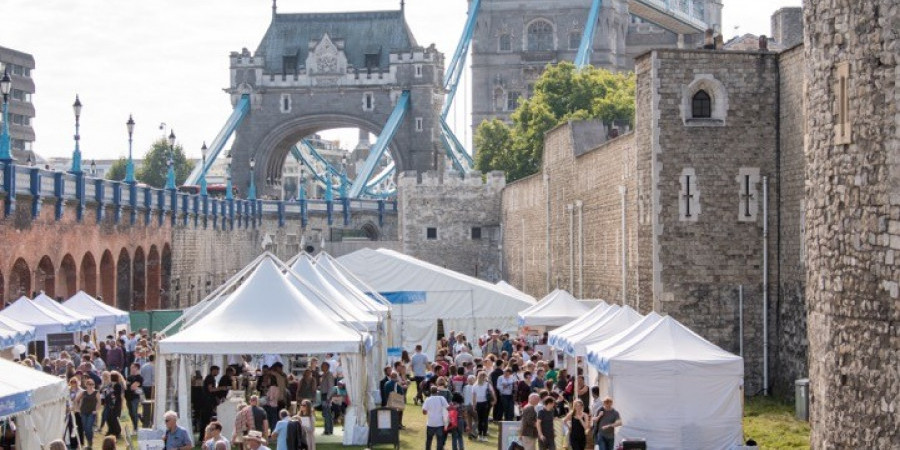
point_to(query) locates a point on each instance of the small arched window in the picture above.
(701, 105)
(540, 36)
(505, 42)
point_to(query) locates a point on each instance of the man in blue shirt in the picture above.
(176, 437)
(280, 431)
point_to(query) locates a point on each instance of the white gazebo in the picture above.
(109, 319)
(513, 291)
(42, 319)
(13, 333)
(85, 322)
(264, 314)
(575, 342)
(36, 400)
(556, 309)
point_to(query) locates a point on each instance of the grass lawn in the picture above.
(768, 421)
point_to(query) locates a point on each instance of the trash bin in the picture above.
(801, 399)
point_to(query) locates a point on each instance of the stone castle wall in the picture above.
(853, 222)
(453, 208)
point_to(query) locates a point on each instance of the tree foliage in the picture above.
(154, 168)
(116, 171)
(562, 93)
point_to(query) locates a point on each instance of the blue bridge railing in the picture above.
(127, 202)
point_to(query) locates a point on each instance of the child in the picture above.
(546, 434)
(456, 426)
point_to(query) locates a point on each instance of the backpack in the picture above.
(452, 418)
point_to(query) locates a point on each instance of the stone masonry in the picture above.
(852, 236)
(453, 222)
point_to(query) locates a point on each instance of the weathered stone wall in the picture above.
(790, 343)
(707, 258)
(853, 223)
(584, 207)
(453, 207)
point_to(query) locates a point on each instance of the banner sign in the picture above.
(404, 297)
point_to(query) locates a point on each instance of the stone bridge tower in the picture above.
(313, 72)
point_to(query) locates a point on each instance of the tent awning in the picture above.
(84, 303)
(556, 309)
(85, 323)
(43, 320)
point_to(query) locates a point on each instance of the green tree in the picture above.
(562, 93)
(116, 171)
(154, 168)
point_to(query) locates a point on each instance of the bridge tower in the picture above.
(318, 71)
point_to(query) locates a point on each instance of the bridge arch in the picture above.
(19, 280)
(108, 278)
(45, 279)
(165, 278)
(68, 277)
(87, 274)
(275, 147)
(123, 281)
(153, 279)
(139, 280)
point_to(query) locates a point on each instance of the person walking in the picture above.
(434, 407)
(528, 430)
(607, 420)
(482, 397)
(326, 384)
(87, 402)
(546, 432)
(419, 363)
(579, 424)
(506, 385)
(114, 404)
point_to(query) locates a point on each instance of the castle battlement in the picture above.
(494, 181)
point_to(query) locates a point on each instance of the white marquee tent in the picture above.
(43, 320)
(673, 388)
(512, 290)
(338, 276)
(36, 400)
(574, 343)
(108, 318)
(422, 293)
(556, 309)
(596, 314)
(316, 288)
(265, 314)
(13, 332)
(85, 323)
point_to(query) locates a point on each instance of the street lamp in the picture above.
(301, 188)
(228, 194)
(129, 166)
(76, 155)
(170, 174)
(93, 168)
(251, 193)
(203, 151)
(343, 174)
(5, 86)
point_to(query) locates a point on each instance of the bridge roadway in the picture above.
(146, 248)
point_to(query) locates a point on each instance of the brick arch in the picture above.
(68, 277)
(87, 274)
(165, 279)
(108, 278)
(153, 278)
(45, 277)
(19, 280)
(139, 280)
(123, 281)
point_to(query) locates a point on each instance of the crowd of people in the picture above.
(461, 394)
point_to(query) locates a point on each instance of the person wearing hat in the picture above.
(254, 440)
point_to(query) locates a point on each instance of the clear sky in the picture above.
(166, 61)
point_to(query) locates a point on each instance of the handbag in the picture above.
(396, 401)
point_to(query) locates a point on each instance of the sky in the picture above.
(166, 61)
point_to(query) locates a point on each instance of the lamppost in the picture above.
(251, 193)
(93, 168)
(129, 166)
(228, 189)
(5, 86)
(76, 155)
(343, 174)
(203, 151)
(301, 188)
(170, 174)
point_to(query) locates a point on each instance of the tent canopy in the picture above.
(22, 388)
(83, 303)
(574, 343)
(553, 336)
(422, 293)
(326, 296)
(266, 314)
(512, 290)
(597, 348)
(13, 332)
(42, 319)
(335, 274)
(556, 309)
(85, 322)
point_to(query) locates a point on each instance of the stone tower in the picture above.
(515, 39)
(318, 71)
(853, 222)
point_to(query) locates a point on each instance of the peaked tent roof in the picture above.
(574, 343)
(599, 312)
(666, 346)
(372, 32)
(22, 388)
(83, 303)
(556, 309)
(512, 290)
(390, 271)
(13, 332)
(322, 290)
(593, 349)
(42, 319)
(84, 322)
(266, 314)
(334, 275)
